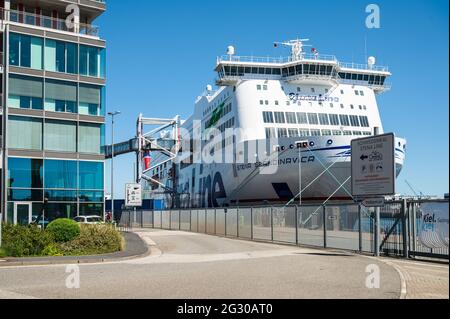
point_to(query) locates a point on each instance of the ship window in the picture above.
(248, 69)
(367, 133)
(326, 132)
(279, 117)
(304, 132)
(291, 118)
(291, 70)
(347, 133)
(334, 119)
(268, 117)
(322, 69)
(302, 118)
(354, 121)
(342, 106)
(364, 107)
(227, 70)
(254, 70)
(371, 79)
(361, 93)
(342, 91)
(265, 87)
(329, 69)
(266, 102)
(306, 68)
(258, 87)
(282, 132)
(331, 105)
(313, 90)
(364, 121)
(352, 106)
(261, 70)
(313, 119)
(299, 89)
(377, 79)
(293, 132)
(276, 71)
(315, 132)
(268, 71)
(354, 76)
(348, 76)
(285, 71)
(323, 118)
(233, 71)
(357, 133)
(344, 120)
(312, 69)
(360, 77)
(356, 92)
(277, 103)
(241, 71)
(288, 103)
(270, 132)
(261, 102)
(298, 69)
(337, 133)
(366, 77)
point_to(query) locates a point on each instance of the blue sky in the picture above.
(161, 55)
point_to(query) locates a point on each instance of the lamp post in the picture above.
(112, 114)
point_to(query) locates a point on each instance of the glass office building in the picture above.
(52, 111)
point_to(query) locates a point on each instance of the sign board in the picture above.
(373, 166)
(374, 202)
(133, 195)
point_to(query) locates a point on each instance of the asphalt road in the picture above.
(189, 265)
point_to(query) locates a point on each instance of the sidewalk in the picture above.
(135, 247)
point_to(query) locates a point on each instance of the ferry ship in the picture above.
(276, 130)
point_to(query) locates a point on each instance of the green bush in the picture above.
(52, 250)
(63, 230)
(21, 241)
(94, 239)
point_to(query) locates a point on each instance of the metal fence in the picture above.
(340, 226)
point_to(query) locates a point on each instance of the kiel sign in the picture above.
(373, 166)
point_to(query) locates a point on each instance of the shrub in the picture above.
(94, 239)
(21, 241)
(52, 250)
(63, 230)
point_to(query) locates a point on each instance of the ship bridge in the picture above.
(301, 68)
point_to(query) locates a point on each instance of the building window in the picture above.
(24, 133)
(60, 174)
(61, 56)
(302, 118)
(91, 138)
(90, 102)
(291, 118)
(25, 92)
(334, 119)
(60, 136)
(25, 173)
(91, 176)
(92, 61)
(323, 119)
(313, 118)
(60, 96)
(279, 118)
(282, 132)
(25, 51)
(268, 117)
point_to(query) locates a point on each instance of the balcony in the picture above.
(48, 22)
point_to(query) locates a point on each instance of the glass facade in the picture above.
(56, 56)
(68, 187)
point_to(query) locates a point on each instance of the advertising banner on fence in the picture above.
(433, 227)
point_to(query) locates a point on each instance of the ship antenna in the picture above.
(296, 46)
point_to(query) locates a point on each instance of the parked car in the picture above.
(89, 220)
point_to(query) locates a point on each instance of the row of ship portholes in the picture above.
(302, 145)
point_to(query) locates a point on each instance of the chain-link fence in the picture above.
(340, 226)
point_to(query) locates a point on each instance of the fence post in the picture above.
(414, 226)
(237, 224)
(226, 214)
(251, 223)
(190, 219)
(161, 218)
(324, 214)
(360, 227)
(271, 222)
(405, 229)
(215, 221)
(296, 225)
(130, 225)
(179, 219)
(142, 218)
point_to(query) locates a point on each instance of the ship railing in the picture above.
(47, 22)
(273, 60)
(366, 67)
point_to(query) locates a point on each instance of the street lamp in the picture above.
(112, 114)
